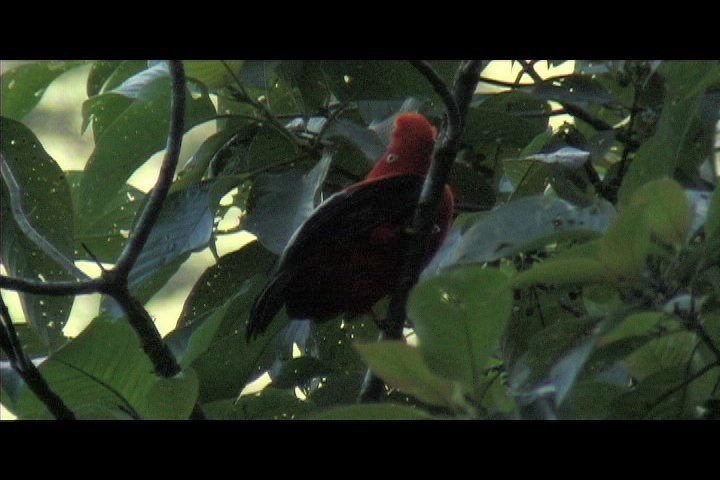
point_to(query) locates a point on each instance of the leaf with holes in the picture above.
(36, 197)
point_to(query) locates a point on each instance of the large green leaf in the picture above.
(499, 120)
(22, 88)
(686, 83)
(525, 224)
(652, 398)
(35, 185)
(376, 80)
(563, 271)
(184, 226)
(459, 317)
(137, 129)
(231, 362)
(269, 404)
(402, 366)
(666, 209)
(219, 282)
(552, 361)
(104, 372)
(106, 234)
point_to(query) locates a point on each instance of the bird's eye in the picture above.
(392, 158)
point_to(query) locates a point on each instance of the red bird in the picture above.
(348, 254)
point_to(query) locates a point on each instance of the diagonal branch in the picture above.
(151, 212)
(19, 361)
(457, 103)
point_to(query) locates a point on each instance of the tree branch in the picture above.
(150, 213)
(682, 385)
(114, 282)
(19, 361)
(457, 103)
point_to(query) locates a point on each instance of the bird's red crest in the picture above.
(410, 150)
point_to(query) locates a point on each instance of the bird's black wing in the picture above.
(346, 216)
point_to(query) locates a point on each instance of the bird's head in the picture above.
(410, 150)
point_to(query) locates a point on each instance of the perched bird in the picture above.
(348, 254)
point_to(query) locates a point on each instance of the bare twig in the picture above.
(19, 361)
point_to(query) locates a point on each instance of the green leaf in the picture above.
(375, 80)
(544, 366)
(100, 71)
(644, 401)
(31, 343)
(338, 388)
(231, 362)
(269, 404)
(364, 139)
(661, 353)
(576, 89)
(525, 224)
(219, 282)
(498, 120)
(106, 234)
(375, 411)
(309, 81)
(282, 202)
(712, 224)
(459, 317)
(172, 398)
(591, 400)
(666, 208)
(136, 129)
(22, 88)
(686, 83)
(102, 371)
(626, 245)
(213, 73)
(564, 271)
(35, 185)
(299, 371)
(125, 69)
(402, 366)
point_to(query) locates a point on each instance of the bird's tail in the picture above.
(266, 306)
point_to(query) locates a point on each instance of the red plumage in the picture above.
(348, 254)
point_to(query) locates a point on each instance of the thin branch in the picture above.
(421, 227)
(258, 106)
(24, 367)
(682, 385)
(528, 67)
(26, 226)
(502, 83)
(150, 214)
(441, 89)
(577, 112)
(54, 288)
